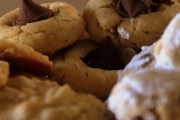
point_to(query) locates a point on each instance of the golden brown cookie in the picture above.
(26, 99)
(145, 27)
(149, 94)
(20, 89)
(48, 35)
(24, 57)
(71, 68)
(60, 104)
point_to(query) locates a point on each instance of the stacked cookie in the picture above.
(28, 37)
(24, 98)
(149, 88)
(56, 64)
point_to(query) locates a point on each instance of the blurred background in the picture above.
(7, 5)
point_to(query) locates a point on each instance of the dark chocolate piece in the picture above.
(132, 8)
(31, 12)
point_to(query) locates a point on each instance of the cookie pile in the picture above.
(149, 87)
(56, 64)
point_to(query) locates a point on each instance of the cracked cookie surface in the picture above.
(45, 36)
(69, 68)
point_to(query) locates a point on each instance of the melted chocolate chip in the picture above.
(107, 56)
(32, 12)
(132, 8)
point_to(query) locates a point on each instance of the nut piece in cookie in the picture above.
(129, 23)
(24, 57)
(46, 29)
(90, 68)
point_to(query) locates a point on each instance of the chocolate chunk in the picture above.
(32, 12)
(107, 56)
(132, 8)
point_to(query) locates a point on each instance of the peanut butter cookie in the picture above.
(131, 23)
(90, 68)
(46, 29)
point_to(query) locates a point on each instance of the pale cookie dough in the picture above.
(4, 73)
(26, 99)
(45, 36)
(103, 20)
(150, 94)
(20, 89)
(60, 104)
(69, 68)
(23, 57)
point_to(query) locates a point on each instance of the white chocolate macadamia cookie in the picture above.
(149, 87)
(149, 94)
(162, 54)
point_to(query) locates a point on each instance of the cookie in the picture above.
(162, 54)
(89, 69)
(62, 104)
(4, 73)
(130, 23)
(37, 99)
(23, 57)
(46, 36)
(148, 88)
(149, 94)
(19, 89)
